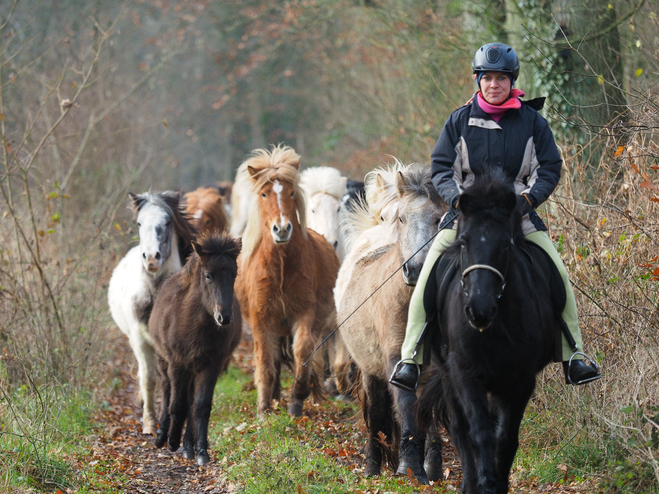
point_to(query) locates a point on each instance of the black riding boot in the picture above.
(578, 372)
(406, 375)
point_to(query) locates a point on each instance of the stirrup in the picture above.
(583, 381)
(407, 386)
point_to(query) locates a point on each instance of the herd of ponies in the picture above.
(289, 256)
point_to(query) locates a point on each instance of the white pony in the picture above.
(241, 199)
(165, 237)
(324, 188)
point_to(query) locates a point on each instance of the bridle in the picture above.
(486, 267)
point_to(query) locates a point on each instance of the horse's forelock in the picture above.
(418, 183)
(214, 243)
(324, 180)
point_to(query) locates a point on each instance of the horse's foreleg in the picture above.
(460, 435)
(204, 385)
(178, 407)
(412, 441)
(163, 427)
(472, 400)
(145, 355)
(510, 415)
(379, 419)
(303, 346)
(265, 353)
(190, 427)
(433, 455)
(343, 367)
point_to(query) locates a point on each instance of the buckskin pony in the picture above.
(285, 280)
(406, 210)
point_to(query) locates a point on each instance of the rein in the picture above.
(367, 299)
(445, 222)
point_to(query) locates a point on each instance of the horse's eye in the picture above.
(209, 278)
(338, 210)
(313, 211)
(292, 193)
(139, 224)
(382, 218)
(263, 195)
(400, 218)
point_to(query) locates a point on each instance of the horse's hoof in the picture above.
(149, 429)
(433, 470)
(372, 470)
(173, 444)
(295, 409)
(161, 438)
(202, 457)
(188, 453)
(404, 467)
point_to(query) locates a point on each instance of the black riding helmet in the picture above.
(496, 57)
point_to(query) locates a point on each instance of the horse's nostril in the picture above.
(289, 228)
(144, 255)
(335, 244)
(406, 269)
(275, 228)
(158, 256)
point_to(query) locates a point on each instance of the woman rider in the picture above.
(495, 129)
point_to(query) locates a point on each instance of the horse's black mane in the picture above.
(490, 196)
(215, 243)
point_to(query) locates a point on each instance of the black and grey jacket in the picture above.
(521, 143)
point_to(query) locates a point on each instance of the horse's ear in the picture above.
(401, 183)
(198, 248)
(239, 243)
(136, 203)
(379, 181)
(252, 171)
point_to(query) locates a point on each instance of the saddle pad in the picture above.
(441, 274)
(547, 266)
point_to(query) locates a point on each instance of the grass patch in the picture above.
(281, 454)
(40, 433)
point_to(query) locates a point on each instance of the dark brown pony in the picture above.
(205, 209)
(195, 326)
(286, 277)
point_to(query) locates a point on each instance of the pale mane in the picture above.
(324, 180)
(282, 163)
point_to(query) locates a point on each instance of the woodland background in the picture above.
(101, 98)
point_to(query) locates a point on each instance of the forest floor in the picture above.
(127, 461)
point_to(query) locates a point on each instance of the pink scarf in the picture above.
(497, 111)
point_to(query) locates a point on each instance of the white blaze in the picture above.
(279, 188)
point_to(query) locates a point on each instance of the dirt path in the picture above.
(131, 463)
(127, 461)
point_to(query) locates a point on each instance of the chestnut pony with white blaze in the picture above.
(285, 280)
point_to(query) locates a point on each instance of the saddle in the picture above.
(445, 269)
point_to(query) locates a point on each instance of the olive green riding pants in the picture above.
(416, 317)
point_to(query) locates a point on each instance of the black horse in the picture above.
(195, 326)
(497, 330)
